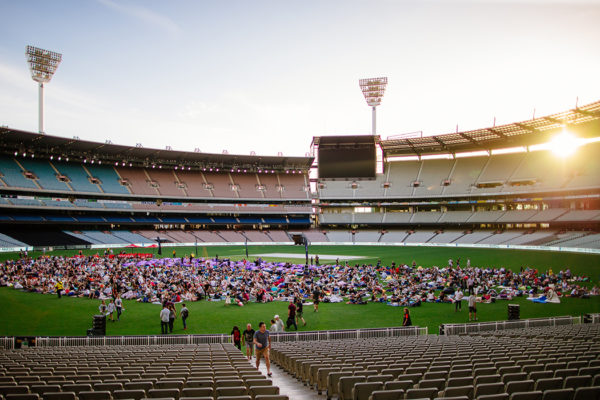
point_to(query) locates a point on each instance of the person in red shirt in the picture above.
(291, 315)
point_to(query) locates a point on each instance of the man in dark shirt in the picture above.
(248, 339)
(291, 315)
(316, 298)
(262, 340)
(299, 311)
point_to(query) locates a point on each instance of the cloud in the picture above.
(145, 15)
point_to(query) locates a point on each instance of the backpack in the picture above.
(184, 313)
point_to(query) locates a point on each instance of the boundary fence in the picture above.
(153, 340)
(483, 327)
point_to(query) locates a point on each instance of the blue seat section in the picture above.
(88, 203)
(90, 218)
(45, 174)
(275, 220)
(118, 219)
(108, 178)
(13, 176)
(26, 202)
(5, 218)
(152, 220)
(9, 242)
(131, 237)
(123, 206)
(59, 218)
(199, 220)
(57, 203)
(225, 220)
(250, 220)
(4, 200)
(299, 220)
(173, 220)
(78, 176)
(28, 218)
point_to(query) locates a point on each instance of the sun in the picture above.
(564, 144)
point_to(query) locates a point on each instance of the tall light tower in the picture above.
(43, 65)
(373, 90)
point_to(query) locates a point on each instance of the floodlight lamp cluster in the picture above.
(373, 90)
(42, 63)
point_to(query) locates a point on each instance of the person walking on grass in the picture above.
(248, 339)
(472, 307)
(291, 319)
(119, 306)
(458, 296)
(184, 315)
(316, 299)
(406, 318)
(299, 311)
(172, 316)
(110, 309)
(164, 320)
(262, 341)
(278, 324)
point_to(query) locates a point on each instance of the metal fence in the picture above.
(482, 327)
(61, 341)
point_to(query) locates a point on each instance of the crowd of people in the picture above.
(112, 278)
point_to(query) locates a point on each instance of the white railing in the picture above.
(594, 318)
(348, 334)
(7, 342)
(482, 327)
(63, 341)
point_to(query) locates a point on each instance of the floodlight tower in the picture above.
(43, 65)
(373, 90)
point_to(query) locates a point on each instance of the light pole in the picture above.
(373, 90)
(43, 65)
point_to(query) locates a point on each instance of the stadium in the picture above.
(457, 266)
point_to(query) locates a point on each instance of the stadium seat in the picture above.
(533, 395)
(577, 381)
(488, 388)
(22, 396)
(94, 395)
(587, 393)
(262, 390)
(558, 394)
(363, 390)
(395, 394)
(135, 394)
(346, 384)
(428, 393)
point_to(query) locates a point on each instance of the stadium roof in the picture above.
(42, 145)
(584, 121)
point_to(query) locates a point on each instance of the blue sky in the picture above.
(266, 76)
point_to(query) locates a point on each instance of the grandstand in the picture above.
(459, 188)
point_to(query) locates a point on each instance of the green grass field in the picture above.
(45, 315)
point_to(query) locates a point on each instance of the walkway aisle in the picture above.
(289, 385)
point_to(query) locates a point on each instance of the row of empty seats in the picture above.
(206, 372)
(496, 174)
(142, 219)
(563, 363)
(46, 175)
(581, 239)
(466, 217)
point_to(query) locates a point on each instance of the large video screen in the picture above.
(343, 161)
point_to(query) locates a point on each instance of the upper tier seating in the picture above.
(79, 179)
(501, 173)
(12, 175)
(109, 180)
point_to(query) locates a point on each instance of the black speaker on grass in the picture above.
(514, 312)
(98, 326)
